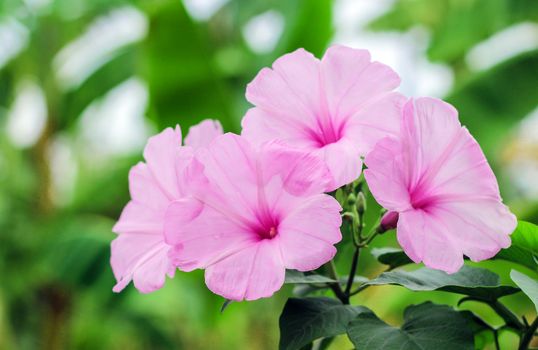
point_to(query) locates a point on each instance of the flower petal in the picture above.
(202, 235)
(481, 227)
(376, 120)
(161, 154)
(201, 134)
(142, 258)
(350, 80)
(308, 234)
(252, 273)
(423, 238)
(343, 160)
(387, 175)
(290, 91)
(229, 166)
(139, 218)
(302, 173)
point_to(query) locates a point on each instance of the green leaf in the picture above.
(305, 320)
(528, 285)
(472, 281)
(524, 248)
(426, 326)
(393, 257)
(297, 277)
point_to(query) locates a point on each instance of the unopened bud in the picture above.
(351, 200)
(388, 221)
(361, 203)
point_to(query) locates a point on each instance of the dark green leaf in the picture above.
(524, 248)
(426, 326)
(297, 277)
(305, 320)
(473, 281)
(528, 285)
(393, 257)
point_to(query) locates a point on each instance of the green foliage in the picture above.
(305, 320)
(297, 277)
(524, 248)
(527, 285)
(472, 281)
(426, 326)
(393, 257)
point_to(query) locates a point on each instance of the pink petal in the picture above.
(424, 239)
(308, 234)
(252, 273)
(161, 154)
(350, 80)
(290, 91)
(376, 120)
(481, 227)
(201, 134)
(137, 217)
(343, 160)
(202, 235)
(140, 257)
(145, 189)
(230, 166)
(465, 173)
(387, 175)
(301, 173)
(430, 127)
(260, 126)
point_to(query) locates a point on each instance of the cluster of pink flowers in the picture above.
(247, 207)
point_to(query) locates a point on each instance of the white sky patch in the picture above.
(115, 125)
(27, 115)
(403, 52)
(100, 43)
(13, 39)
(202, 10)
(263, 31)
(63, 168)
(503, 45)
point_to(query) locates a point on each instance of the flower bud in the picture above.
(388, 221)
(351, 200)
(361, 203)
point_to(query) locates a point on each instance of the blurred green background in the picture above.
(83, 83)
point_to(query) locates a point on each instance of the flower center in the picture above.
(327, 132)
(268, 233)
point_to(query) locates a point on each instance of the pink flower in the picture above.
(438, 180)
(139, 253)
(336, 108)
(253, 213)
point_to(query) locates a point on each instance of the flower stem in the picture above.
(335, 286)
(352, 271)
(527, 336)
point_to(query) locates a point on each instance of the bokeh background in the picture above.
(83, 83)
